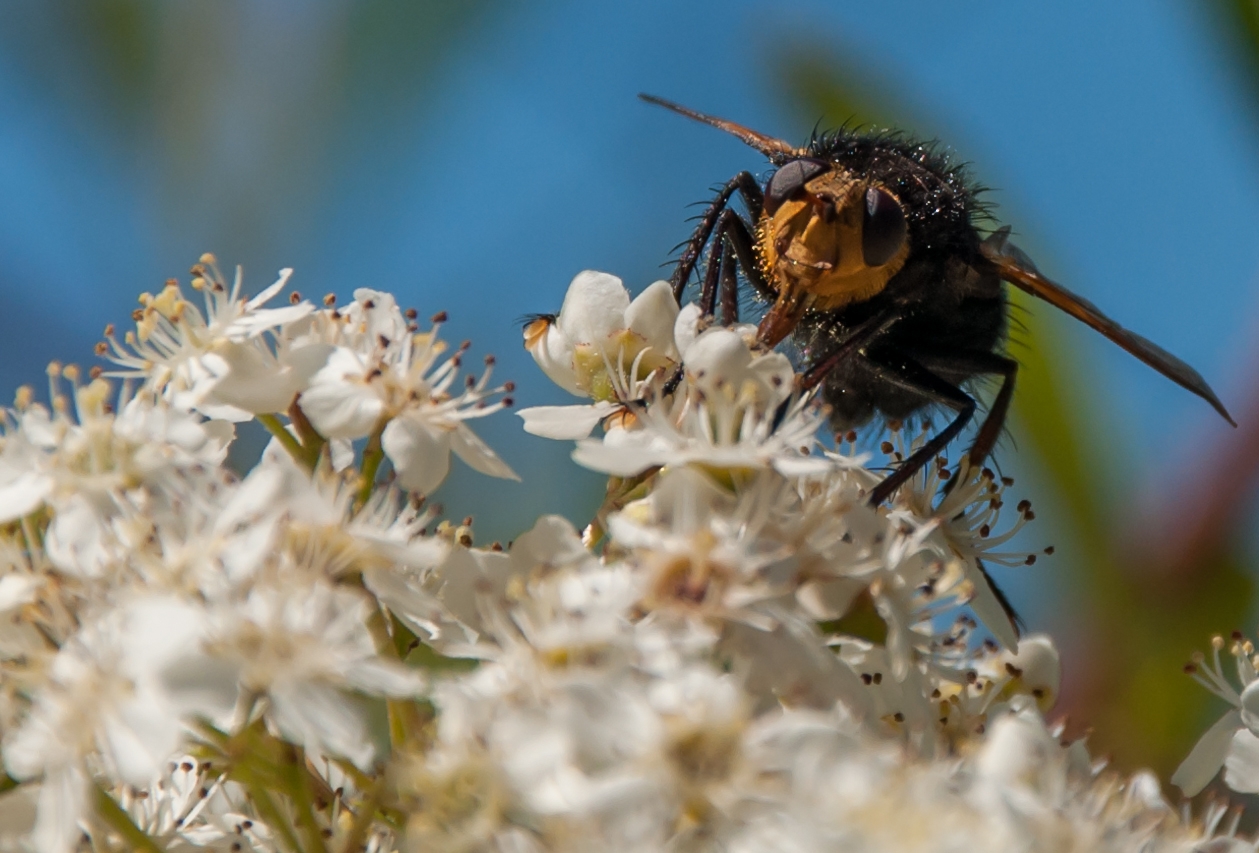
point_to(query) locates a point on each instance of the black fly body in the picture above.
(867, 249)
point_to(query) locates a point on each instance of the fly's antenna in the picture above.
(776, 150)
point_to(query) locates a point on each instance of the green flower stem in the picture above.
(30, 530)
(406, 720)
(213, 735)
(270, 810)
(362, 781)
(312, 442)
(620, 491)
(286, 438)
(363, 819)
(296, 783)
(373, 455)
(108, 810)
(377, 625)
(265, 766)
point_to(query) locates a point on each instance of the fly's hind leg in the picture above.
(989, 431)
(908, 374)
(983, 363)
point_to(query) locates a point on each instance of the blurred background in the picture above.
(473, 156)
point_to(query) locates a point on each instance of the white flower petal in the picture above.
(718, 354)
(22, 492)
(159, 630)
(594, 307)
(202, 686)
(1250, 707)
(471, 576)
(249, 379)
(77, 540)
(258, 321)
(469, 447)
(1015, 753)
(342, 452)
(63, 802)
(1039, 667)
(141, 739)
(686, 326)
(1207, 756)
(385, 678)
(552, 541)
(554, 353)
(566, 423)
(421, 456)
(1241, 767)
(802, 466)
(621, 453)
(774, 372)
(381, 316)
(323, 721)
(265, 295)
(340, 403)
(418, 608)
(652, 315)
(16, 590)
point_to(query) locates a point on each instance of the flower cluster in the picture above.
(738, 652)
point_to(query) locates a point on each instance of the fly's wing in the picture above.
(1017, 268)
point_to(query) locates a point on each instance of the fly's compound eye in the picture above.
(883, 230)
(790, 179)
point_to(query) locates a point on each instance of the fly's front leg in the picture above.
(750, 190)
(732, 250)
(858, 338)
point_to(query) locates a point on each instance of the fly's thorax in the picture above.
(835, 241)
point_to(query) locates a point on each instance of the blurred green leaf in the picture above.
(99, 58)
(391, 45)
(123, 38)
(1235, 24)
(823, 87)
(1052, 419)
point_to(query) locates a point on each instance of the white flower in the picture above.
(1233, 741)
(107, 698)
(701, 546)
(219, 361)
(190, 806)
(603, 346)
(473, 585)
(967, 517)
(88, 469)
(587, 349)
(305, 649)
(395, 384)
(736, 410)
